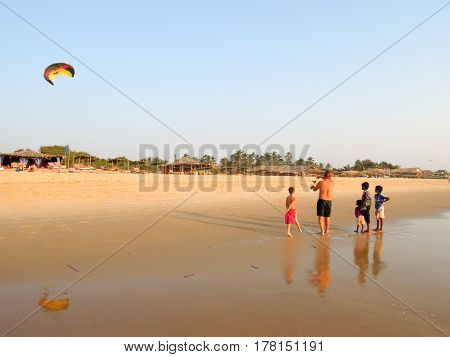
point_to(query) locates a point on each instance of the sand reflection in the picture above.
(291, 248)
(377, 263)
(361, 255)
(57, 304)
(321, 277)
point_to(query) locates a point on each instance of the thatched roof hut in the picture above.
(413, 172)
(440, 174)
(186, 165)
(28, 153)
(28, 157)
(84, 156)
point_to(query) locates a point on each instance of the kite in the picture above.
(58, 69)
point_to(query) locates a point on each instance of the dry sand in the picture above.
(217, 263)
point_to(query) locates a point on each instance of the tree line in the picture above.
(239, 160)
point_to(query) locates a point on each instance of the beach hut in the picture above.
(28, 158)
(186, 166)
(84, 158)
(440, 174)
(413, 172)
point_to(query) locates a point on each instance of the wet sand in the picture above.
(219, 264)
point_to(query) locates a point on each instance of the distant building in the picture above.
(413, 172)
(440, 174)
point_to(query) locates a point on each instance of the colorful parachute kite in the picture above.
(57, 69)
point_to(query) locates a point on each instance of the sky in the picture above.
(230, 72)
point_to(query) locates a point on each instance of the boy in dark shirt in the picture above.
(366, 202)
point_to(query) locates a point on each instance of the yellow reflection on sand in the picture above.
(54, 304)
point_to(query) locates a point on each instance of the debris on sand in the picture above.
(71, 267)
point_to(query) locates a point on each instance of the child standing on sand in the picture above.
(366, 202)
(359, 216)
(291, 213)
(379, 208)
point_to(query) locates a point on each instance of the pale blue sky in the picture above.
(231, 72)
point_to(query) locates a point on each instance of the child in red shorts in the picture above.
(291, 213)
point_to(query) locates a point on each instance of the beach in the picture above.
(159, 255)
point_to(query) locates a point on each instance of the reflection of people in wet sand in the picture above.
(322, 277)
(325, 188)
(291, 249)
(53, 304)
(291, 213)
(377, 263)
(361, 253)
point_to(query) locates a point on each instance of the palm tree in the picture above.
(289, 158)
(267, 158)
(237, 160)
(208, 159)
(250, 161)
(310, 161)
(225, 163)
(187, 156)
